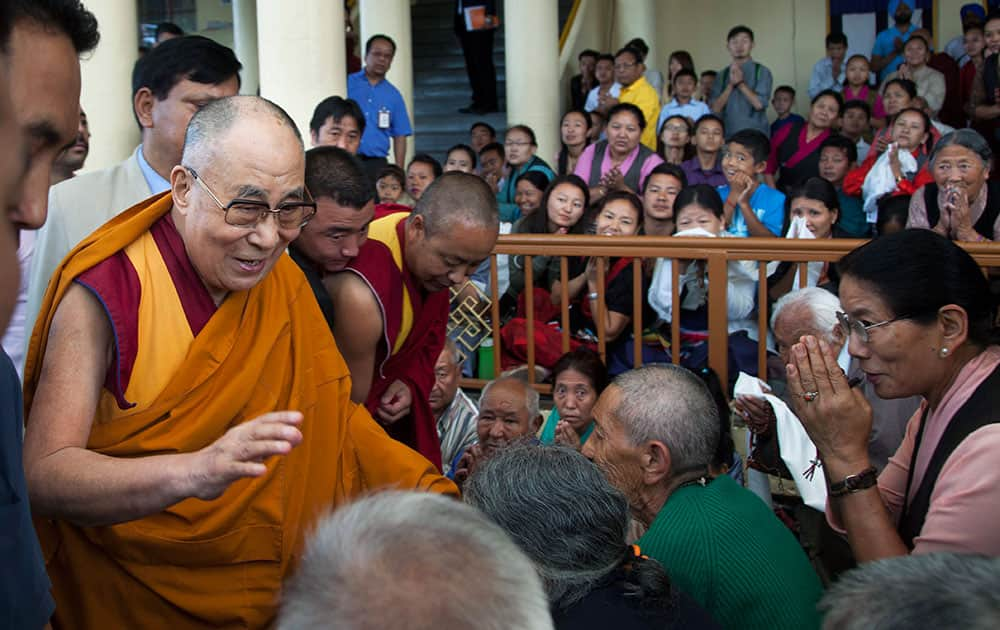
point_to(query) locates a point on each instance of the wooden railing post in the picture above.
(718, 315)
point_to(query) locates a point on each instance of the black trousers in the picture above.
(477, 46)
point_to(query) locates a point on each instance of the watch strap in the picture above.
(855, 483)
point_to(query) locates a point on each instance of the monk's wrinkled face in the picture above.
(447, 257)
(258, 159)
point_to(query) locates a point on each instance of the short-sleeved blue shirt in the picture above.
(372, 99)
(767, 203)
(25, 601)
(884, 46)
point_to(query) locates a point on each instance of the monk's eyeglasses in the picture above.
(247, 213)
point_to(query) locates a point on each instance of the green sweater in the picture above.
(724, 547)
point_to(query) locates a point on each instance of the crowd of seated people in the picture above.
(185, 375)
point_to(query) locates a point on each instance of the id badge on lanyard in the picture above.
(383, 118)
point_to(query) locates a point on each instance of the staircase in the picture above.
(440, 83)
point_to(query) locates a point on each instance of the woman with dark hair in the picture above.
(962, 203)
(897, 94)
(529, 190)
(621, 162)
(673, 143)
(699, 212)
(795, 148)
(578, 378)
(811, 211)
(460, 157)
(678, 60)
(574, 131)
(920, 319)
(619, 213)
(520, 146)
(565, 515)
(911, 133)
(564, 202)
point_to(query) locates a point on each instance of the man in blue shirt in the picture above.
(383, 106)
(887, 54)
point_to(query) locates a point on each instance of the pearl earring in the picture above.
(944, 352)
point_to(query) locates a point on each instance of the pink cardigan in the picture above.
(966, 497)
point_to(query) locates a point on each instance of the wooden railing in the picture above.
(717, 252)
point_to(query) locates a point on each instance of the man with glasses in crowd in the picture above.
(182, 374)
(635, 89)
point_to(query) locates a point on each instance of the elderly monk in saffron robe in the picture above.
(189, 415)
(391, 303)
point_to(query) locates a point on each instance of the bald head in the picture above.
(455, 198)
(211, 126)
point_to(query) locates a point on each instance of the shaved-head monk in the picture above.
(189, 415)
(391, 304)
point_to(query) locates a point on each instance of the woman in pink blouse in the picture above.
(920, 318)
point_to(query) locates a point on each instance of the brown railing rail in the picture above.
(716, 252)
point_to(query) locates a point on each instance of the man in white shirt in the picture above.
(828, 73)
(606, 86)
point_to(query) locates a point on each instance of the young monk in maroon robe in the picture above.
(392, 302)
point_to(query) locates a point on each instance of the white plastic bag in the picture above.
(797, 450)
(881, 181)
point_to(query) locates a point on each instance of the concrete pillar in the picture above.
(245, 43)
(637, 18)
(531, 42)
(106, 93)
(392, 18)
(301, 55)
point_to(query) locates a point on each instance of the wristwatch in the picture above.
(855, 483)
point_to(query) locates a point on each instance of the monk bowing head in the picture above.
(239, 193)
(451, 230)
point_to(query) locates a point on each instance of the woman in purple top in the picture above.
(621, 162)
(706, 165)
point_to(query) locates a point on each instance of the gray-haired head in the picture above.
(810, 304)
(416, 561)
(451, 348)
(968, 138)
(560, 509)
(211, 124)
(531, 398)
(669, 404)
(457, 197)
(940, 590)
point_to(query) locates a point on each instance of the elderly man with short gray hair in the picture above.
(656, 431)
(409, 561)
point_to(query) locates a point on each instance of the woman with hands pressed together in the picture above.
(961, 204)
(621, 162)
(578, 379)
(920, 320)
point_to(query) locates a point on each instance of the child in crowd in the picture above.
(422, 170)
(857, 87)
(389, 185)
(529, 189)
(678, 60)
(855, 123)
(460, 157)
(706, 165)
(491, 161)
(838, 155)
(683, 103)
(752, 208)
(705, 84)
(783, 101)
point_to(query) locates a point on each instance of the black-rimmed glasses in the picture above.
(247, 213)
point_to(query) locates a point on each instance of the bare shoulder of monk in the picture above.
(357, 328)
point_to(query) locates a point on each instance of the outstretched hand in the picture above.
(242, 450)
